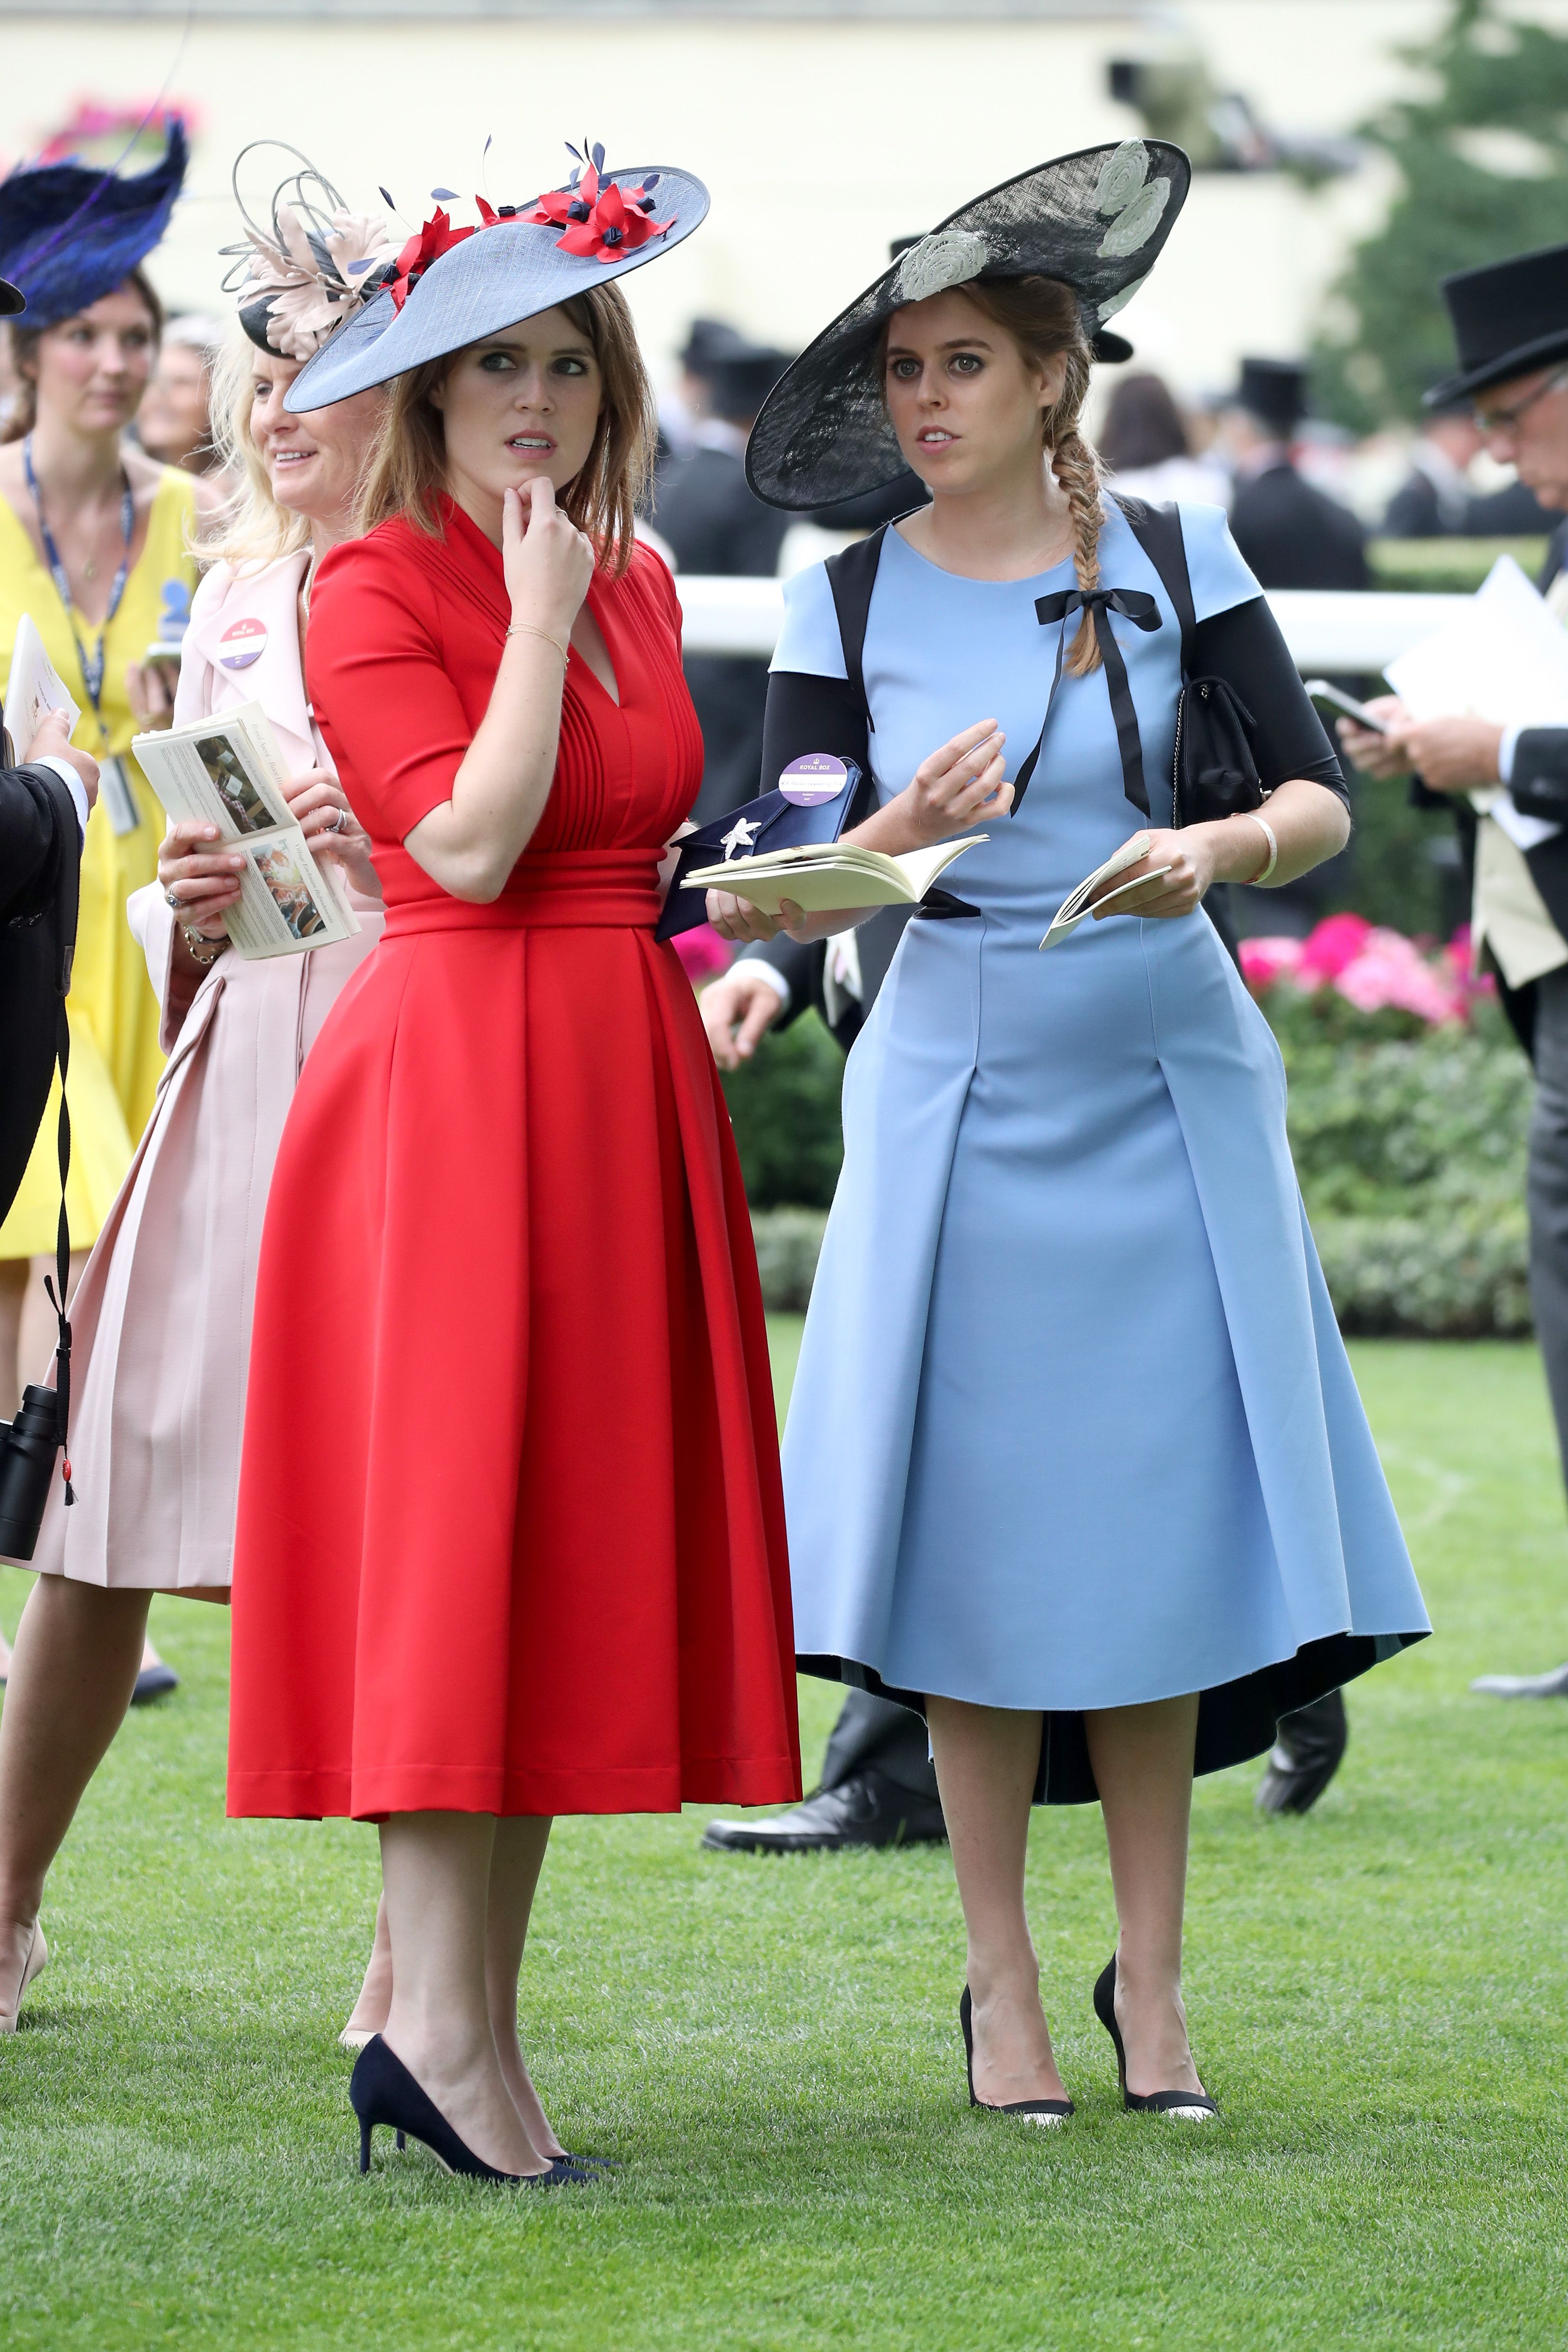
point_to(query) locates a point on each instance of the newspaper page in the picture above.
(230, 772)
(33, 688)
(1505, 659)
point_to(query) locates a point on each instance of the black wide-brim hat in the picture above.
(12, 299)
(1510, 317)
(1097, 220)
(503, 274)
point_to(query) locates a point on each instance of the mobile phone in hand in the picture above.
(1321, 691)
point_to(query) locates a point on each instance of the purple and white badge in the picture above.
(817, 778)
(242, 643)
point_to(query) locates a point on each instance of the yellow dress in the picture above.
(115, 1058)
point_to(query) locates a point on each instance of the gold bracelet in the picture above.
(527, 629)
(1268, 830)
(195, 942)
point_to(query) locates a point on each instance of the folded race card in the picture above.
(1076, 908)
(831, 877)
(811, 805)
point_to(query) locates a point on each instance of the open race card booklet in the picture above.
(1076, 908)
(830, 877)
(33, 688)
(230, 772)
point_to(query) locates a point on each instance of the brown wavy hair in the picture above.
(24, 342)
(407, 470)
(1043, 318)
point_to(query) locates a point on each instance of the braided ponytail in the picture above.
(1042, 315)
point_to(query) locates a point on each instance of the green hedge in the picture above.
(1410, 1150)
(1449, 567)
(1411, 1154)
(784, 1106)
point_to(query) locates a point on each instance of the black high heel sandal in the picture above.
(1193, 2104)
(1034, 2111)
(383, 2091)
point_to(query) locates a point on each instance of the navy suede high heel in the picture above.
(383, 2091)
(1193, 2106)
(1034, 2111)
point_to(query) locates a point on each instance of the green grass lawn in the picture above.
(1378, 1996)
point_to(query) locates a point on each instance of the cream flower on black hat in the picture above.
(314, 265)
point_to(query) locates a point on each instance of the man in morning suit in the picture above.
(1510, 326)
(715, 524)
(1292, 536)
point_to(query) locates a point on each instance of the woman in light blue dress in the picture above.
(1075, 1461)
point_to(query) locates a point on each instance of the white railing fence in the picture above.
(1325, 629)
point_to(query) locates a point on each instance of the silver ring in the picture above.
(339, 818)
(171, 897)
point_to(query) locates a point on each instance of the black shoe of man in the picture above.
(1305, 1757)
(154, 1682)
(865, 1811)
(1552, 1685)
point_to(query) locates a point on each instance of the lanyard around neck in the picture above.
(91, 671)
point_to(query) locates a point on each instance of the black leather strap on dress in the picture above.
(852, 576)
(1133, 606)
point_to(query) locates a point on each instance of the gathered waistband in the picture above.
(562, 890)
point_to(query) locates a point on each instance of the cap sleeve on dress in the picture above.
(1220, 577)
(374, 660)
(809, 643)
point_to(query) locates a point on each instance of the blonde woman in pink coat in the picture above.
(162, 1316)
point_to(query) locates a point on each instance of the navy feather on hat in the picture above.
(68, 234)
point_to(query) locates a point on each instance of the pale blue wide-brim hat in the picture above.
(506, 272)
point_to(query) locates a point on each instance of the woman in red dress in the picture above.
(510, 1540)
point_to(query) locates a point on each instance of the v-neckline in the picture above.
(617, 699)
(493, 571)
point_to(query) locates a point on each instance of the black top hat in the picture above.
(1273, 392)
(709, 340)
(1097, 220)
(12, 299)
(740, 381)
(1510, 317)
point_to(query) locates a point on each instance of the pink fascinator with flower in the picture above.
(313, 267)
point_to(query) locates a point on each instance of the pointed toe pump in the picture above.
(1182, 2106)
(1033, 2111)
(383, 2091)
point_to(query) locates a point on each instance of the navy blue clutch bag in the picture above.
(812, 804)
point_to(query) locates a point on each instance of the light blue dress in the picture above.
(1073, 1425)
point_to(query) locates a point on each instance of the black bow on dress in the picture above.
(1100, 602)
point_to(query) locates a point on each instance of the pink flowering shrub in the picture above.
(1370, 969)
(704, 954)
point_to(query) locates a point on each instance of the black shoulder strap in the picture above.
(852, 576)
(1158, 530)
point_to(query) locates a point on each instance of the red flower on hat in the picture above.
(436, 236)
(602, 221)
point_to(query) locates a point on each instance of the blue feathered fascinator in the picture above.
(69, 234)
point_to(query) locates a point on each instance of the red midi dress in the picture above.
(510, 1537)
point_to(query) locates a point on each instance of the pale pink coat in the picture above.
(162, 1321)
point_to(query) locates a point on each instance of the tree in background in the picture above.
(1482, 156)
